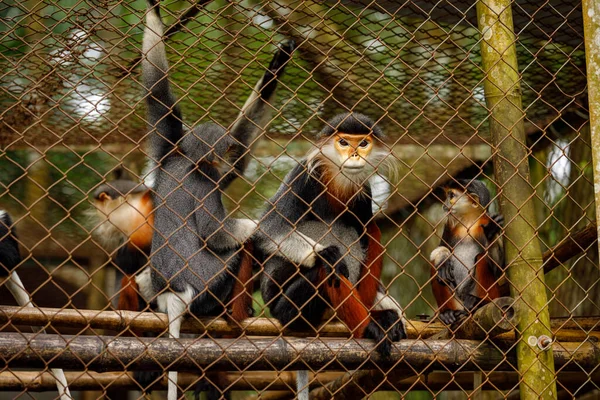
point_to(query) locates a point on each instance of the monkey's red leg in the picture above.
(128, 296)
(347, 304)
(241, 298)
(444, 295)
(486, 286)
(372, 266)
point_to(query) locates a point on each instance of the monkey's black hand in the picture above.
(445, 275)
(276, 68)
(450, 317)
(493, 228)
(385, 327)
(472, 302)
(331, 259)
(282, 55)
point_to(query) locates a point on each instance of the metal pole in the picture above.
(523, 253)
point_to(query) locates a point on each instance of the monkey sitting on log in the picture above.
(469, 262)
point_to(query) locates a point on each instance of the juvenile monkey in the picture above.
(197, 258)
(469, 262)
(10, 258)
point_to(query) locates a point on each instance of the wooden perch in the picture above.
(102, 353)
(267, 380)
(499, 316)
(571, 329)
(158, 322)
(253, 380)
(570, 247)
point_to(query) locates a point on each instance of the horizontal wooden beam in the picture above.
(105, 353)
(268, 380)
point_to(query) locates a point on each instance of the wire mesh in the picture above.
(76, 160)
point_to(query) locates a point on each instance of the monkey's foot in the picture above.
(385, 327)
(450, 317)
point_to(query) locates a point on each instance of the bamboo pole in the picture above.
(102, 353)
(591, 29)
(268, 380)
(120, 321)
(522, 250)
(495, 318)
(89, 380)
(569, 329)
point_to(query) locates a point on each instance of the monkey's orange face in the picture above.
(353, 150)
(460, 202)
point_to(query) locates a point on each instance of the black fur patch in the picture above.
(351, 123)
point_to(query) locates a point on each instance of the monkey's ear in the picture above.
(104, 197)
(475, 198)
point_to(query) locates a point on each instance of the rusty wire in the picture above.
(72, 113)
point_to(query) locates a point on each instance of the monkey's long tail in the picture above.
(15, 286)
(163, 113)
(302, 384)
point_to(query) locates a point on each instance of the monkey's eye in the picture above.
(451, 195)
(363, 143)
(343, 142)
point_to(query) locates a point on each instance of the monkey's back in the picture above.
(186, 205)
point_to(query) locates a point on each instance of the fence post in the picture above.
(591, 30)
(523, 253)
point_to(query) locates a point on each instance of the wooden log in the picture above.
(89, 380)
(102, 353)
(120, 321)
(497, 317)
(570, 247)
(570, 329)
(267, 380)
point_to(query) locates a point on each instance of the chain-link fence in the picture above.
(444, 245)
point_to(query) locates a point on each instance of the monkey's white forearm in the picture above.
(233, 233)
(295, 246)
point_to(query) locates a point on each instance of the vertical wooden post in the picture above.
(591, 30)
(523, 253)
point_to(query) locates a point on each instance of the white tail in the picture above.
(15, 286)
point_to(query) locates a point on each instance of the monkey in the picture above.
(10, 259)
(319, 243)
(468, 264)
(124, 209)
(200, 259)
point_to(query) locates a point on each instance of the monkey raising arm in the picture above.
(256, 113)
(163, 114)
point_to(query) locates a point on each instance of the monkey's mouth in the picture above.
(352, 169)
